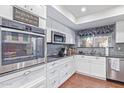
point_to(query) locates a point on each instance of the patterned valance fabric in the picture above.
(97, 30)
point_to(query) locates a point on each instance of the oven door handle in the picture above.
(20, 31)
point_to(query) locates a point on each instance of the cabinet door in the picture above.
(64, 75)
(98, 70)
(120, 32)
(83, 66)
(38, 10)
(6, 11)
(53, 82)
(70, 39)
(42, 23)
(49, 35)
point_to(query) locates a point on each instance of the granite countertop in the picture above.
(54, 58)
(112, 56)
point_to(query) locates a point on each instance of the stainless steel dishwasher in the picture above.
(117, 75)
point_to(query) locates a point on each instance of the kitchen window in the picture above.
(96, 41)
(15, 36)
(25, 37)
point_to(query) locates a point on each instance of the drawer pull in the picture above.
(66, 65)
(82, 56)
(66, 73)
(53, 82)
(28, 72)
(97, 58)
(53, 71)
(53, 64)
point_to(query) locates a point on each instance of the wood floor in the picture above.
(81, 81)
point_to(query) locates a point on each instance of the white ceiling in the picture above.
(96, 15)
(75, 10)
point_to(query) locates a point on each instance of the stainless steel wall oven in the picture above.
(21, 45)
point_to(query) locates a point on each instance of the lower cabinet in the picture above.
(53, 82)
(98, 70)
(31, 78)
(91, 66)
(59, 73)
(83, 66)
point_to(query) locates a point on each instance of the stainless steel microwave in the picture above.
(58, 37)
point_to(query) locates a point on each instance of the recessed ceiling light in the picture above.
(83, 9)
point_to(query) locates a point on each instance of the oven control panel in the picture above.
(20, 26)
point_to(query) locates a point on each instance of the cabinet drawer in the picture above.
(98, 70)
(63, 76)
(53, 82)
(40, 85)
(65, 66)
(52, 65)
(25, 77)
(98, 60)
(52, 72)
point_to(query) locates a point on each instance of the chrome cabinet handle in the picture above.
(28, 72)
(66, 73)
(66, 65)
(53, 64)
(53, 82)
(97, 57)
(31, 9)
(82, 56)
(25, 6)
(53, 71)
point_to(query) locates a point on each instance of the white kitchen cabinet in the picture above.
(82, 65)
(98, 67)
(6, 11)
(42, 23)
(38, 10)
(59, 71)
(70, 36)
(57, 26)
(70, 39)
(67, 69)
(73, 66)
(53, 82)
(49, 38)
(120, 32)
(91, 66)
(30, 78)
(98, 70)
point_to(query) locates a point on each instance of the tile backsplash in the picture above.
(53, 49)
(117, 50)
(97, 50)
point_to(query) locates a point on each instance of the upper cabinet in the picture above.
(70, 35)
(120, 32)
(38, 10)
(6, 11)
(57, 26)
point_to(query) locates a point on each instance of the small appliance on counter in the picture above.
(71, 51)
(61, 52)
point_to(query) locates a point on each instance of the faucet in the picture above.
(93, 52)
